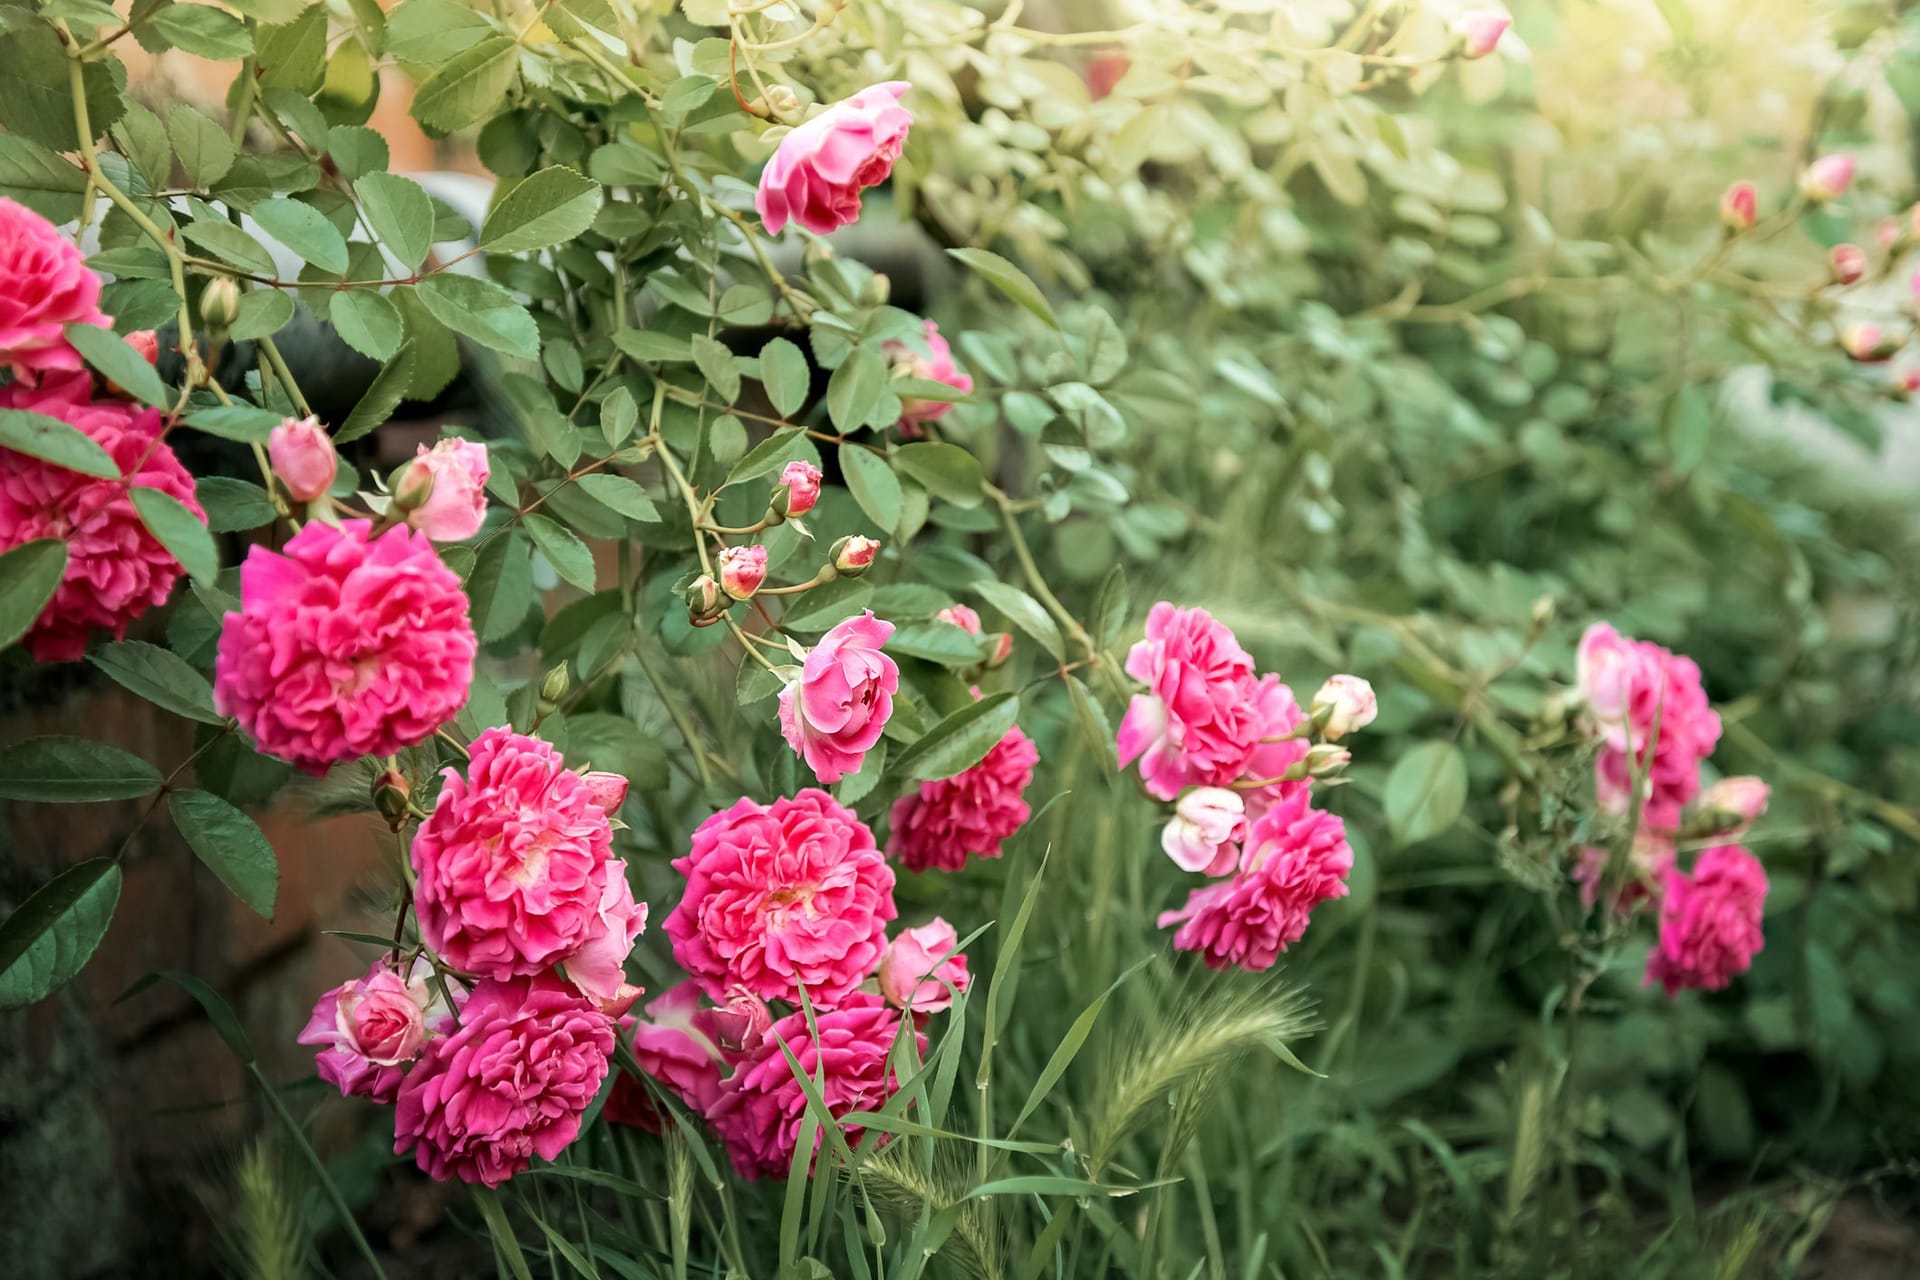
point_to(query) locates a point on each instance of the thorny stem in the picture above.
(1035, 580)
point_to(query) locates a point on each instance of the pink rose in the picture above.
(1739, 207)
(819, 169)
(1205, 831)
(1652, 858)
(1631, 688)
(960, 616)
(371, 1028)
(935, 366)
(598, 966)
(742, 570)
(302, 457)
(759, 1109)
(116, 569)
(1479, 31)
(513, 866)
(1735, 804)
(741, 1022)
(1709, 922)
(944, 822)
(1827, 178)
(853, 555)
(44, 286)
(1847, 262)
(675, 1046)
(344, 646)
(608, 790)
(834, 711)
(800, 485)
(508, 1083)
(1204, 714)
(454, 475)
(920, 965)
(780, 897)
(1348, 704)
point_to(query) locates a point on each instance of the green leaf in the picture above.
(108, 352)
(229, 244)
(263, 313)
(621, 494)
(51, 935)
(240, 422)
(615, 743)
(218, 1011)
(63, 770)
(469, 86)
(37, 178)
(1010, 280)
(356, 151)
(52, 440)
(785, 376)
(716, 365)
(1110, 607)
(1024, 612)
(547, 208)
(940, 642)
(655, 348)
(377, 403)
(29, 575)
(820, 608)
(854, 390)
(943, 470)
(293, 55)
(36, 94)
(1425, 792)
(961, 740)
(500, 589)
(160, 676)
(775, 451)
(401, 215)
(231, 845)
(233, 505)
(429, 32)
(482, 311)
(367, 322)
(203, 30)
(873, 484)
(569, 556)
(179, 531)
(305, 230)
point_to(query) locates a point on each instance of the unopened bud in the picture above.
(412, 485)
(302, 458)
(741, 1023)
(1847, 262)
(1889, 234)
(608, 791)
(742, 570)
(219, 304)
(392, 796)
(554, 685)
(1477, 33)
(1827, 178)
(1324, 758)
(147, 343)
(1906, 382)
(706, 604)
(1868, 343)
(796, 491)
(1740, 207)
(777, 102)
(1344, 704)
(877, 290)
(1543, 611)
(853, 555)
(1001, 651)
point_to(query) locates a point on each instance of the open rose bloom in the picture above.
(45, 287)
(820, 168)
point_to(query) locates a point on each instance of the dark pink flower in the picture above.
(920, 965)
(1647, 700)
(369, 1029)
(44, 286)
(834, 710)
(676, 1046)
(819, 169)
(935, 366)
(782, 896)
(946, 821)
(116, 569)
(800, 485)
(1709, 921)
(1204, 714)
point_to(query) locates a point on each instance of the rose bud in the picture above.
(391, 798)
(918, 965)
(412, 486)
(1346, 703)
(1888, 234)
(1739, 207)
(302, 458)
(1478, 31)
(1868, 343)
(554, 685)
(853, 555)
(219, 305)
(1732, 805)
(797, 491)
(1002, 649)
(1827, 178)
(1906, 381)
(1848, 263)
(454, 505)
(1324, 758)
(147, 343)
(742, 570)
(608, 791)
(741, 1023)
(706, 604)
(1205, 831)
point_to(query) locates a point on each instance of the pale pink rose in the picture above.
(1709, 922)
(834, 711)
(344, 646)
(780, 897)
(854, 555)
(116, 569)
(1349, 705)
(302, 457)
(1736, 802)
(819, 169)
(508, 1083)
(1739, 207)
(1631, 687)
(946, 821)
(512, 866)
(1887, 234)
(1205, 831)
(919, 966)
(1869, 343)
(676, 1047)
(598, 966)
(801, 483)
(456, 505)
(960, 616)
(1105, 70)
(370, 1029)
(934, 366)
(1479, 31)
(1296, 858)
(1847, 262)
(1608, 667)
(44, 286)
(742, 570)
(147, 343)
(1202, 717)
(759, 1109)
(1827, 178)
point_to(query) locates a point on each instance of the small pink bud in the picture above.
(1868, 344)
(1888, 234)
(853, 555)
(1478, 31)
(1002, 649)
(706, 604)
(741, 1023)
(919, 964)
(608, 791)
(1205, 831)
(962, 617)
(798, 490)
(1347, 702)
(1848, 261)
(455, 503)
(147, 343)
(1827, 178)
(1324, 758)
(742, 570)
(1732, 805)
(1739, 207)
(1906, 381)
(302, 458)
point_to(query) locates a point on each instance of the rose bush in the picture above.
(930, 680)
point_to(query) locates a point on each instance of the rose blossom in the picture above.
(598, 966)
(834, 710)
(302, 457)
(936, 366)
(1739, 207)
(454, 474)
(1631, 687)
(1205, 831)
(759, 1110)
(1349, 704)
(1827, 178)
(1651, 857)
(817, 172)
(853, 555)
(508, 1083)
(676, 1047)
(344, 647)
(739, 1024)
(513, 864)
(1736, 802)
(800, 483)
(1297, 857)
(1479, 31)
(780, 897)
(742, 570)
(920, 964)
(948, 820)
(116, 569)
(44, 286)
(1709, 921)
(370, 1027)
(960, 616)
(1848, 262)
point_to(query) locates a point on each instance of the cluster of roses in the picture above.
(1236, 752)
(1645, 706)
